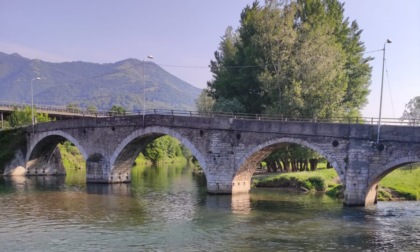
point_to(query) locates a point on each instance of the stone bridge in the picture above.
(228, 149)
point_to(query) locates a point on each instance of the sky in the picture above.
(182, 36)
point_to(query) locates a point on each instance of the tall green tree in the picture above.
(22, 117)
(117, 110)
(73, 107)
(204, 103)
(91, 109)
(296, 58)
(163, 147)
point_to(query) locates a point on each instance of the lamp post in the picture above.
(382, 88)
(32, 102)
(144, 87)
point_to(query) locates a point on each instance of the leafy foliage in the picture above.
(298, 58)
(228, 105)
(71, 157)
(91, 109)
(11, 140)
(292, 58)
(22, 117)
(412, 111)
(118, 110)
(204, 103)
(319, 180)
(73, 107)
(293, 157)
(163, 147)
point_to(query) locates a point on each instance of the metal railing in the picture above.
(57, 110)
(83, 112)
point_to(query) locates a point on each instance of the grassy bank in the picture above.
(71, 157)
(141, 159)
(401, 184)
(73, 160)
(319, 180)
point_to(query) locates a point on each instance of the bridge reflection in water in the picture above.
(168, 209)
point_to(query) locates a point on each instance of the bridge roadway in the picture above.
(227, 148)
(59, 112)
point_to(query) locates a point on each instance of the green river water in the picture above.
(168, 209)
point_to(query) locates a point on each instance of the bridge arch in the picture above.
(379, 174)
(247, 165)
(124, 155)
(40, 152)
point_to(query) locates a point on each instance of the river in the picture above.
(168, 209)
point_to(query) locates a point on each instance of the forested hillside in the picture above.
(91, 84)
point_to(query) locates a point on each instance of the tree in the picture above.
(42, 117)
(22, 117)
(73, 108)
(412, 111)
(295, 58)
(91, 109)
(234, 71)
(204, 103)
(154, 151)
(117, 110)
(163, 147)
(228, 105)
(292, 58)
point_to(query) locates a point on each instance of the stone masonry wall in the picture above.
(229, 149)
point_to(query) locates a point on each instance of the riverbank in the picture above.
(319, 180)
(401, 184)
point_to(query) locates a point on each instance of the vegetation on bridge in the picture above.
(22, 117)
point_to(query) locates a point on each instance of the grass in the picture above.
(401, 183)
(71, 157)
(319, 180)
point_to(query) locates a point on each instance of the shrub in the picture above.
(318, 183)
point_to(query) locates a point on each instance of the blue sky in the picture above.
(183, 35)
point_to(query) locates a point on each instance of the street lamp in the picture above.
(32, 101)
(382, 88)
(144, 87)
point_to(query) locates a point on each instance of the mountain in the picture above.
(100, 85)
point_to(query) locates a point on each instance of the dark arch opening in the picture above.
(55, 155)
(272, 162)
(152, 149)
(398, 182)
